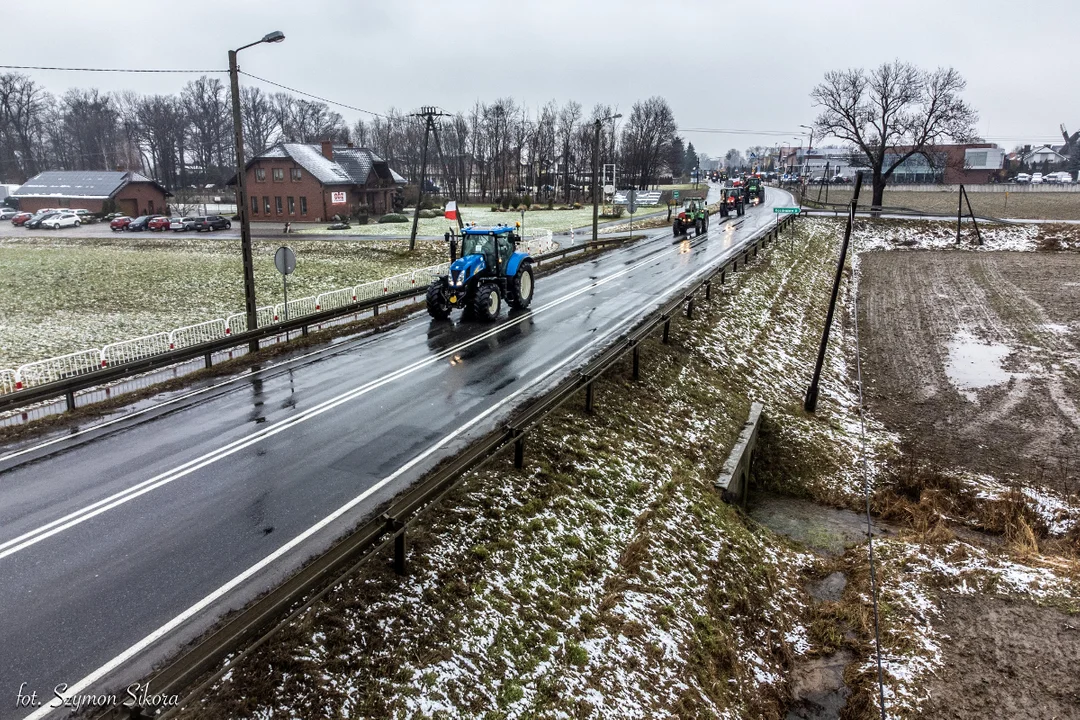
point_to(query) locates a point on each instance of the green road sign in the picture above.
(676, 194)
(786, 211)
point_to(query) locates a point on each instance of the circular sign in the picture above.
(285, 260)
(609, 189)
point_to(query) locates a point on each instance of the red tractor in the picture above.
(732, 201)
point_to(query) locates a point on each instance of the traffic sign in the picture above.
(609, 189)
(675, 193)
(631, 201)
(786, 211)
(285, 260)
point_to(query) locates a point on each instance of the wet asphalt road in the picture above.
(163, 523)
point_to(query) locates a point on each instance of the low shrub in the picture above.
(394, 218)
(428, 213)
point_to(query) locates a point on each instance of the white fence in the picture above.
(129, 350)
(537, 242)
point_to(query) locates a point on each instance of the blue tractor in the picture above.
(489, 270)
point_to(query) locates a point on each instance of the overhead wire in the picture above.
(109, 70)
(311, 95)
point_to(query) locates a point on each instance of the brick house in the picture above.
(134, 194)
(298, 182)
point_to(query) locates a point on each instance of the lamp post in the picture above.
(241, 194)
(596, 172)
(810, 147)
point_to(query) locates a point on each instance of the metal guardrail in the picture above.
(68, 374)
(275, 609)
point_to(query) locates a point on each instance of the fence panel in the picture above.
(538, 242)
(136, 349)
(9, 381)
(59, 368)
(195, 334)
(334, 299)
(237, 322)
(368, 290)
(398, 283)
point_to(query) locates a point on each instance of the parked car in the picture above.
(35, 222)
(182, 224)
(140, 223)
(1036, 178)
(59, 220)
(85, 216)
(8, 213)
(20, 218)
(1023, 178)
(159, 223)
(211, 223)
(120, 222)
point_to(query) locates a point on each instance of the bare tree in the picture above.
(568, 117)
(891, 113)
(23, 106)
(206, 106)
(257, 116)
(647, 135)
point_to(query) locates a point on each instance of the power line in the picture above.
(723, 131)
(112, 70)
(307, 94)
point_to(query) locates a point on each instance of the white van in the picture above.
(1023, 178)
(1062, 177)
(1036, 178)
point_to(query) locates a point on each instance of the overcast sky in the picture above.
(746, 65)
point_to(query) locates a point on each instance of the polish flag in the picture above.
(450, 213)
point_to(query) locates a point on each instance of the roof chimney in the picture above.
(328, 149)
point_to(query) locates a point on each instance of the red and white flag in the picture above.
(450, 213)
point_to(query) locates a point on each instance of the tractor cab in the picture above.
(490, 269)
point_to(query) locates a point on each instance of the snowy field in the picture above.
(60, 294)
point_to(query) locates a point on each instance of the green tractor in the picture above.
(755, 190)
(694, 216)
(489, 270)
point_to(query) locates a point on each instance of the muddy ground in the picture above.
(993, 671)
(973, 358)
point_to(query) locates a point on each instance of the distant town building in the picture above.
(133, 193)
(298, 182)
(1048, 154)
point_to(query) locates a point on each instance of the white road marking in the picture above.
(76, 517)
(232, 584)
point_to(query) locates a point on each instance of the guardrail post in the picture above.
(399, 552)
(708, 290)
(667, 330)
(637, 364)
(208, 359)
(723, 275)
(519, 453)
(588, 397)
(735, 265)
(69, 396)
(375, 311)
(690, 307)
(304, 330)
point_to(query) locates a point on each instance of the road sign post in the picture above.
(285, 262)
(631, 205)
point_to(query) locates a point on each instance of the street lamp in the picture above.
(810, 147)
(241, 194)
(596, 173)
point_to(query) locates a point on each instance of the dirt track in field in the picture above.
(1013, 320)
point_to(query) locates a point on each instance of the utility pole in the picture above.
(810, 403)
(429, 114)
(596, 173)
(241, 190)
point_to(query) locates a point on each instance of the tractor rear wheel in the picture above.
(486, 302)
(437, 305)
(521, 288)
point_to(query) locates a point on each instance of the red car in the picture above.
(159, 223)
(120, 223)
(21, 218)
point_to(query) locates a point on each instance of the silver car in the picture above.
(182, 224)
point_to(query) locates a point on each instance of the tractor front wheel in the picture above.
(676, 228)
(486, 302)
(437, 305)
(521, 288)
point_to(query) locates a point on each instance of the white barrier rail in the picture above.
(9, 380)
(58, 368)
(195, 334)
(537, 242)
(136, 349)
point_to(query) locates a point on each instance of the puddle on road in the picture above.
(974, 364)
